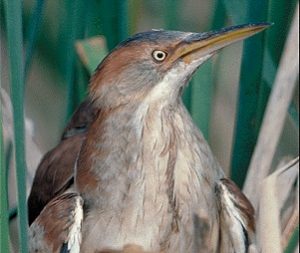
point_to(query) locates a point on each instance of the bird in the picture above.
(55, 172)
(145, 179)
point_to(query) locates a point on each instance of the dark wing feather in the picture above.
(54, 172)
(237, 224)
(58, 227)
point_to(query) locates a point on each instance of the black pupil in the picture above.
(160, 55)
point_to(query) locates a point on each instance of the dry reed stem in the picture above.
(269, 226)
(275, 115)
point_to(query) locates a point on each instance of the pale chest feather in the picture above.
(154, 194)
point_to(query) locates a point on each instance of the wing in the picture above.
(54, 174)
(237, 224)
(81, 119)
(58, 227)
(55, 171)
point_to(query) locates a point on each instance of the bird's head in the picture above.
(157, 64)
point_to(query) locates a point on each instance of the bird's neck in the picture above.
(146, 148)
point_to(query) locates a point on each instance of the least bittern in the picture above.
(146, 176)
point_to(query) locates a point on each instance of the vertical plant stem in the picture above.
(134, 14)
(201, 97)
(275, 115)
(219, 15)
(269, 214)
(82, 82)
(109, 19)
(31, 37)
(4, 229)
(281, 13)
(122, 8)
(16, 69)
(250, 84)
(187, 95)
(203, 82)
(74, 30)
(171, 9)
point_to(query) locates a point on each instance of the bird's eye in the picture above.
(159, 55)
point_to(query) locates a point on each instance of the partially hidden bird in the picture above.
(145, 179)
